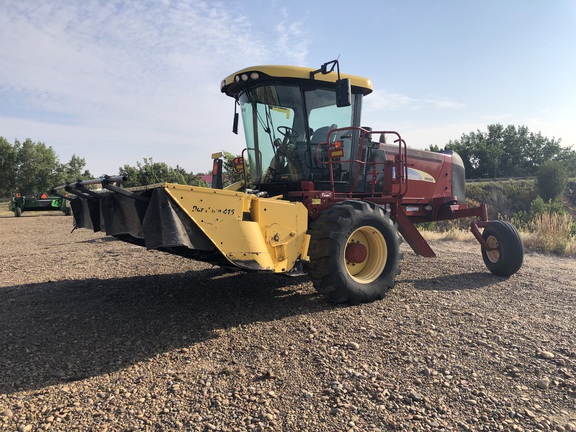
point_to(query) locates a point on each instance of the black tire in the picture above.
(17, 211)
(67, 211)
(354, 253)
(508, 256)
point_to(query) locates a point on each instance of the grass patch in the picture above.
(453, 234)
(4, 209)
(553, 233)
(549, 233)
(504, 198)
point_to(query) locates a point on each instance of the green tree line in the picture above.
(30, 167)
(150, 172)
(509, 152)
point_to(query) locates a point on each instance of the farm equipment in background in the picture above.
(41, 202)
(322, 194)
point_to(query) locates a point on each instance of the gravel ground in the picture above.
(96, 334)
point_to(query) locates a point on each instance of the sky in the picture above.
(118, 81)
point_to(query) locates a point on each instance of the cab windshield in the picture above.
(283, 124)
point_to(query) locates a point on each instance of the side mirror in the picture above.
(343, 93)
(235, 124)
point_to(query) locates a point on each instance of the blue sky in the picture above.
(119, 81)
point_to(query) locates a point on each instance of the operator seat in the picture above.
(321, 134)
(377, 156)
(320, 152)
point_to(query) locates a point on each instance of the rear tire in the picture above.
(354, 253)
(508, 256)
(17, 211)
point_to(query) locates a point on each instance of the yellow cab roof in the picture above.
(234, 83)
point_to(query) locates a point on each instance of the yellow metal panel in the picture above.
(246, 247)
(273, 239)
(284, 226)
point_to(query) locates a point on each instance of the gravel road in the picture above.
(96, 334)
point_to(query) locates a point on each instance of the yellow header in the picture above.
(232, 84)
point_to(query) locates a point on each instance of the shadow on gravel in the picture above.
(71, 330)
(456, 282)
(106, 239)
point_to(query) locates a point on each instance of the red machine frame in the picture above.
(398, 194)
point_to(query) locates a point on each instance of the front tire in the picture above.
(17, 211)
(354, 253)
(507, 254)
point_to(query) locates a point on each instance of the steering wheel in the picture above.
(287, 132)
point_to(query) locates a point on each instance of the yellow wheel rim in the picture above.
(372, 242)
(494, 254)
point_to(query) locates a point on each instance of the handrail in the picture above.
(399, 165)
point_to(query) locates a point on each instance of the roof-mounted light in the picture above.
(244, 77)
(254, 75)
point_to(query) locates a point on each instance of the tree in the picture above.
(8, 158)
(73, 171)
(187, 177)
(568, 159)
(32, 167)
(151, 172)
(508, 152)
(231, 174)
(433, 148)
(36, 167)
(552, 180)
